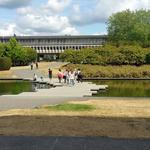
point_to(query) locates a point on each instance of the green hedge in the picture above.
(5, 63)
(109, 55)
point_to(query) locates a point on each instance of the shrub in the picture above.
(108, 55)
(148, 58)
(124, 71)
(5, 63)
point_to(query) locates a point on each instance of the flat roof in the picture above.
(55, 37)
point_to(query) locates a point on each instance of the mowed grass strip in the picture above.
(70, 107)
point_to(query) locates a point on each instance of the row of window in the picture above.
(57, 41)
(60, 47)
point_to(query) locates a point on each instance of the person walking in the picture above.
(37, 65)
(50, 74)
(72, 78)
(31, 65)
(65, 75)
(34, 77)
(60, 75)
(79, 76)
(68, 77)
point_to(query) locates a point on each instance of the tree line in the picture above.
(13, 54)
(128, 42)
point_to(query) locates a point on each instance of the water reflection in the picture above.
(125, 88)
(17, 87)
(36, 86)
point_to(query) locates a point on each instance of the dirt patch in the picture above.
(75, 126)
(111, 118)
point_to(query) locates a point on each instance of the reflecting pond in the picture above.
(14, 87)
(124, 88)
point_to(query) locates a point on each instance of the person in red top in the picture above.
(60, 75)
(50, 74)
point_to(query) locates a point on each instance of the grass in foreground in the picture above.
(126, 118)
(71, 107)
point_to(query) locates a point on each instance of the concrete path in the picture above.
(71, 143)
(64, 90)
(59, 94)
(24, 102)
(28, 73)
(49, 96)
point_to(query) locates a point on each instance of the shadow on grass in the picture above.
(75, 126)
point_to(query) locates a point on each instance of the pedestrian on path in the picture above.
(72, 78)
(79, 76)
(65, 76)
(68, 77)
(37, 65)
(50, 74)
(35, 77)
(60, 75)
(31, 65)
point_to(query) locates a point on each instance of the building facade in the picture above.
(49, 47)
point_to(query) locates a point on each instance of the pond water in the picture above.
(124, 88)
(9, 87)
(14, 87)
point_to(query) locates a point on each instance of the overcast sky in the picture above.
(61, 17)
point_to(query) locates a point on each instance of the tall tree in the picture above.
(130, 26)
(2, 49)
(14, 49)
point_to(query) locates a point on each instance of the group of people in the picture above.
(70, 76)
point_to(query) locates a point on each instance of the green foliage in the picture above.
(148, 58)
(30, 54)
(18, 54)
(130, 26)
(68, 55)
(108, 55)
(117, 59)
(14, 49)
(71, 107)
(2, 49)
(5, 63)
(133, 55)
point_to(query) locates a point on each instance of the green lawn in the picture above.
(71, 107)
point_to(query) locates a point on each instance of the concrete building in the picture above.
(49, 47)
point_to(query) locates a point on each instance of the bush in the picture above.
(148, 58)
(133, 55)
(5, 63)
(108, 55)
(125, 71)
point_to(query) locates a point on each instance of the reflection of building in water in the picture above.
(49, 47)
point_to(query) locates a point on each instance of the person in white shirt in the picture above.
(72, 78)
(35, 77)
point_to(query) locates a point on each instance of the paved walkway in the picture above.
(46, 96)
(27, 73)
(71, 143)
(23, 102)
(64, 90)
